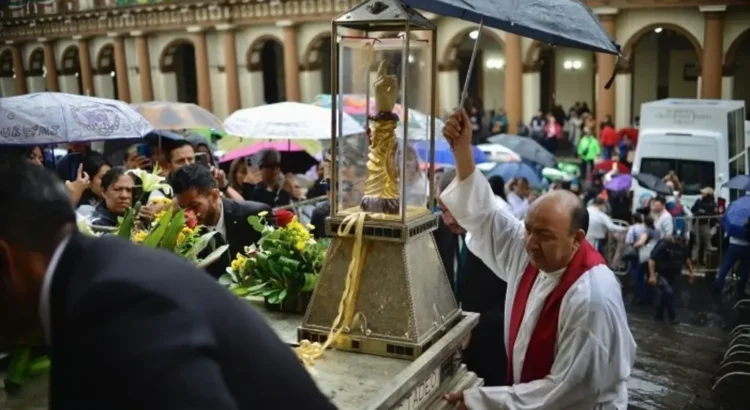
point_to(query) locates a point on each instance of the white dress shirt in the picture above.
(599, 225)
(221, 226)
(44, 299)
(594, 350)
(519, 207)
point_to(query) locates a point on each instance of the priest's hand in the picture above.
(457, 399)
(458, 132)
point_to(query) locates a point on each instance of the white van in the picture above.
(703, 141)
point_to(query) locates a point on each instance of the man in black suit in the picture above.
(196, 189)
(131, 327)
(479, 290)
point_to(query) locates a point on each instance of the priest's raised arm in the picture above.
(494, 234)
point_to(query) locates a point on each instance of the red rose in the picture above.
(283, 217)
(190, 220)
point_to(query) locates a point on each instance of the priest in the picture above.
(566, 331)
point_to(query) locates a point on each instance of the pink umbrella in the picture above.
(281, 146)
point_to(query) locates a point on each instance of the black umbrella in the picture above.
(653, 183)
(565, 23)
(527, 148)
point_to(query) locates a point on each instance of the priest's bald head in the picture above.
(555, 228)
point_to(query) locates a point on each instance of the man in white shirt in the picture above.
(600, 224)
(518, 198)
(663, 221)
(563, 309)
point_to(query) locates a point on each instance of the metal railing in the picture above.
(705, 241)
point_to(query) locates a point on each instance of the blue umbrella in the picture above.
(510, 170)
(736, 216)
(565, 23)
(443, 153)
(741, 182)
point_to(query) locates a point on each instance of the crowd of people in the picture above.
(530, 263)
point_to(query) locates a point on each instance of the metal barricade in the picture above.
(705, 240)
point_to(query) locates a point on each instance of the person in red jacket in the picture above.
(609, 139)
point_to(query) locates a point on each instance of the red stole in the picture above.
(540, 353)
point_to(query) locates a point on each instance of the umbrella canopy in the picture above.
(57, 118)
(556, 175)
(741, 182)
(443, 153)
(166, 115)
(499, 153)
(619, 183)
(653, 183)
(279, 145)
(565, 23)
(527, 148)
(737, 213)
(287, 120)
(607, 165)
(355, 105)
(511, 170)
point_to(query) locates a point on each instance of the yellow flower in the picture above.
(310, 227)
(187, 231)
(238, 264)
(139, 236)
(160, 201)
(300, 246)
(159, 215)
(180, 238)
(263, 213)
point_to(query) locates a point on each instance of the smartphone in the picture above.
(144, 150)
(202, 158)
(75, 159)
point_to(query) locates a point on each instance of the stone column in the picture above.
(87, 75)
(513, 81)
(623, 115)
(230, 68)
(144, 65)
(50, 64)
(291, 62)
(713, 40)
(202, 70)
(19, 72)
(605, 67)
(121, 68)
(532, 89)
(727, 86)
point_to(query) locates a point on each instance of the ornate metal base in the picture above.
(405, 301)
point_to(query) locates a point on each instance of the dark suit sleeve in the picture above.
(131, 338)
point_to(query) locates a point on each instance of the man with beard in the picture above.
(130, 327)
(196, 189)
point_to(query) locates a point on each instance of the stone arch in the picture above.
(627, 49)
(448, 58)
(105, 59)
(36, 62)
(6, 63)
(730, 58)
(166, 59)
(253, 60)
(71, 62)
(311, 58)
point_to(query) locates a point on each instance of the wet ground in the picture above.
(674, 366)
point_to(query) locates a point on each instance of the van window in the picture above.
(693, 175)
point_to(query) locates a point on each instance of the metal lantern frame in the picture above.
(378, 16)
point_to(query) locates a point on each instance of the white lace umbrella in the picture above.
(58, 118)
(287, 120)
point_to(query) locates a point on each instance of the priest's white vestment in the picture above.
(594, 350)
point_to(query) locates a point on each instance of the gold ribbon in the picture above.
(308, 352)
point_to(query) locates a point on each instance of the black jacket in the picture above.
(481, 291)
(239, 232)
(137, 328)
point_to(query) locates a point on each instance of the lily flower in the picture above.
(151, 181)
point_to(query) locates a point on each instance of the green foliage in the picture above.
(285, 264)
